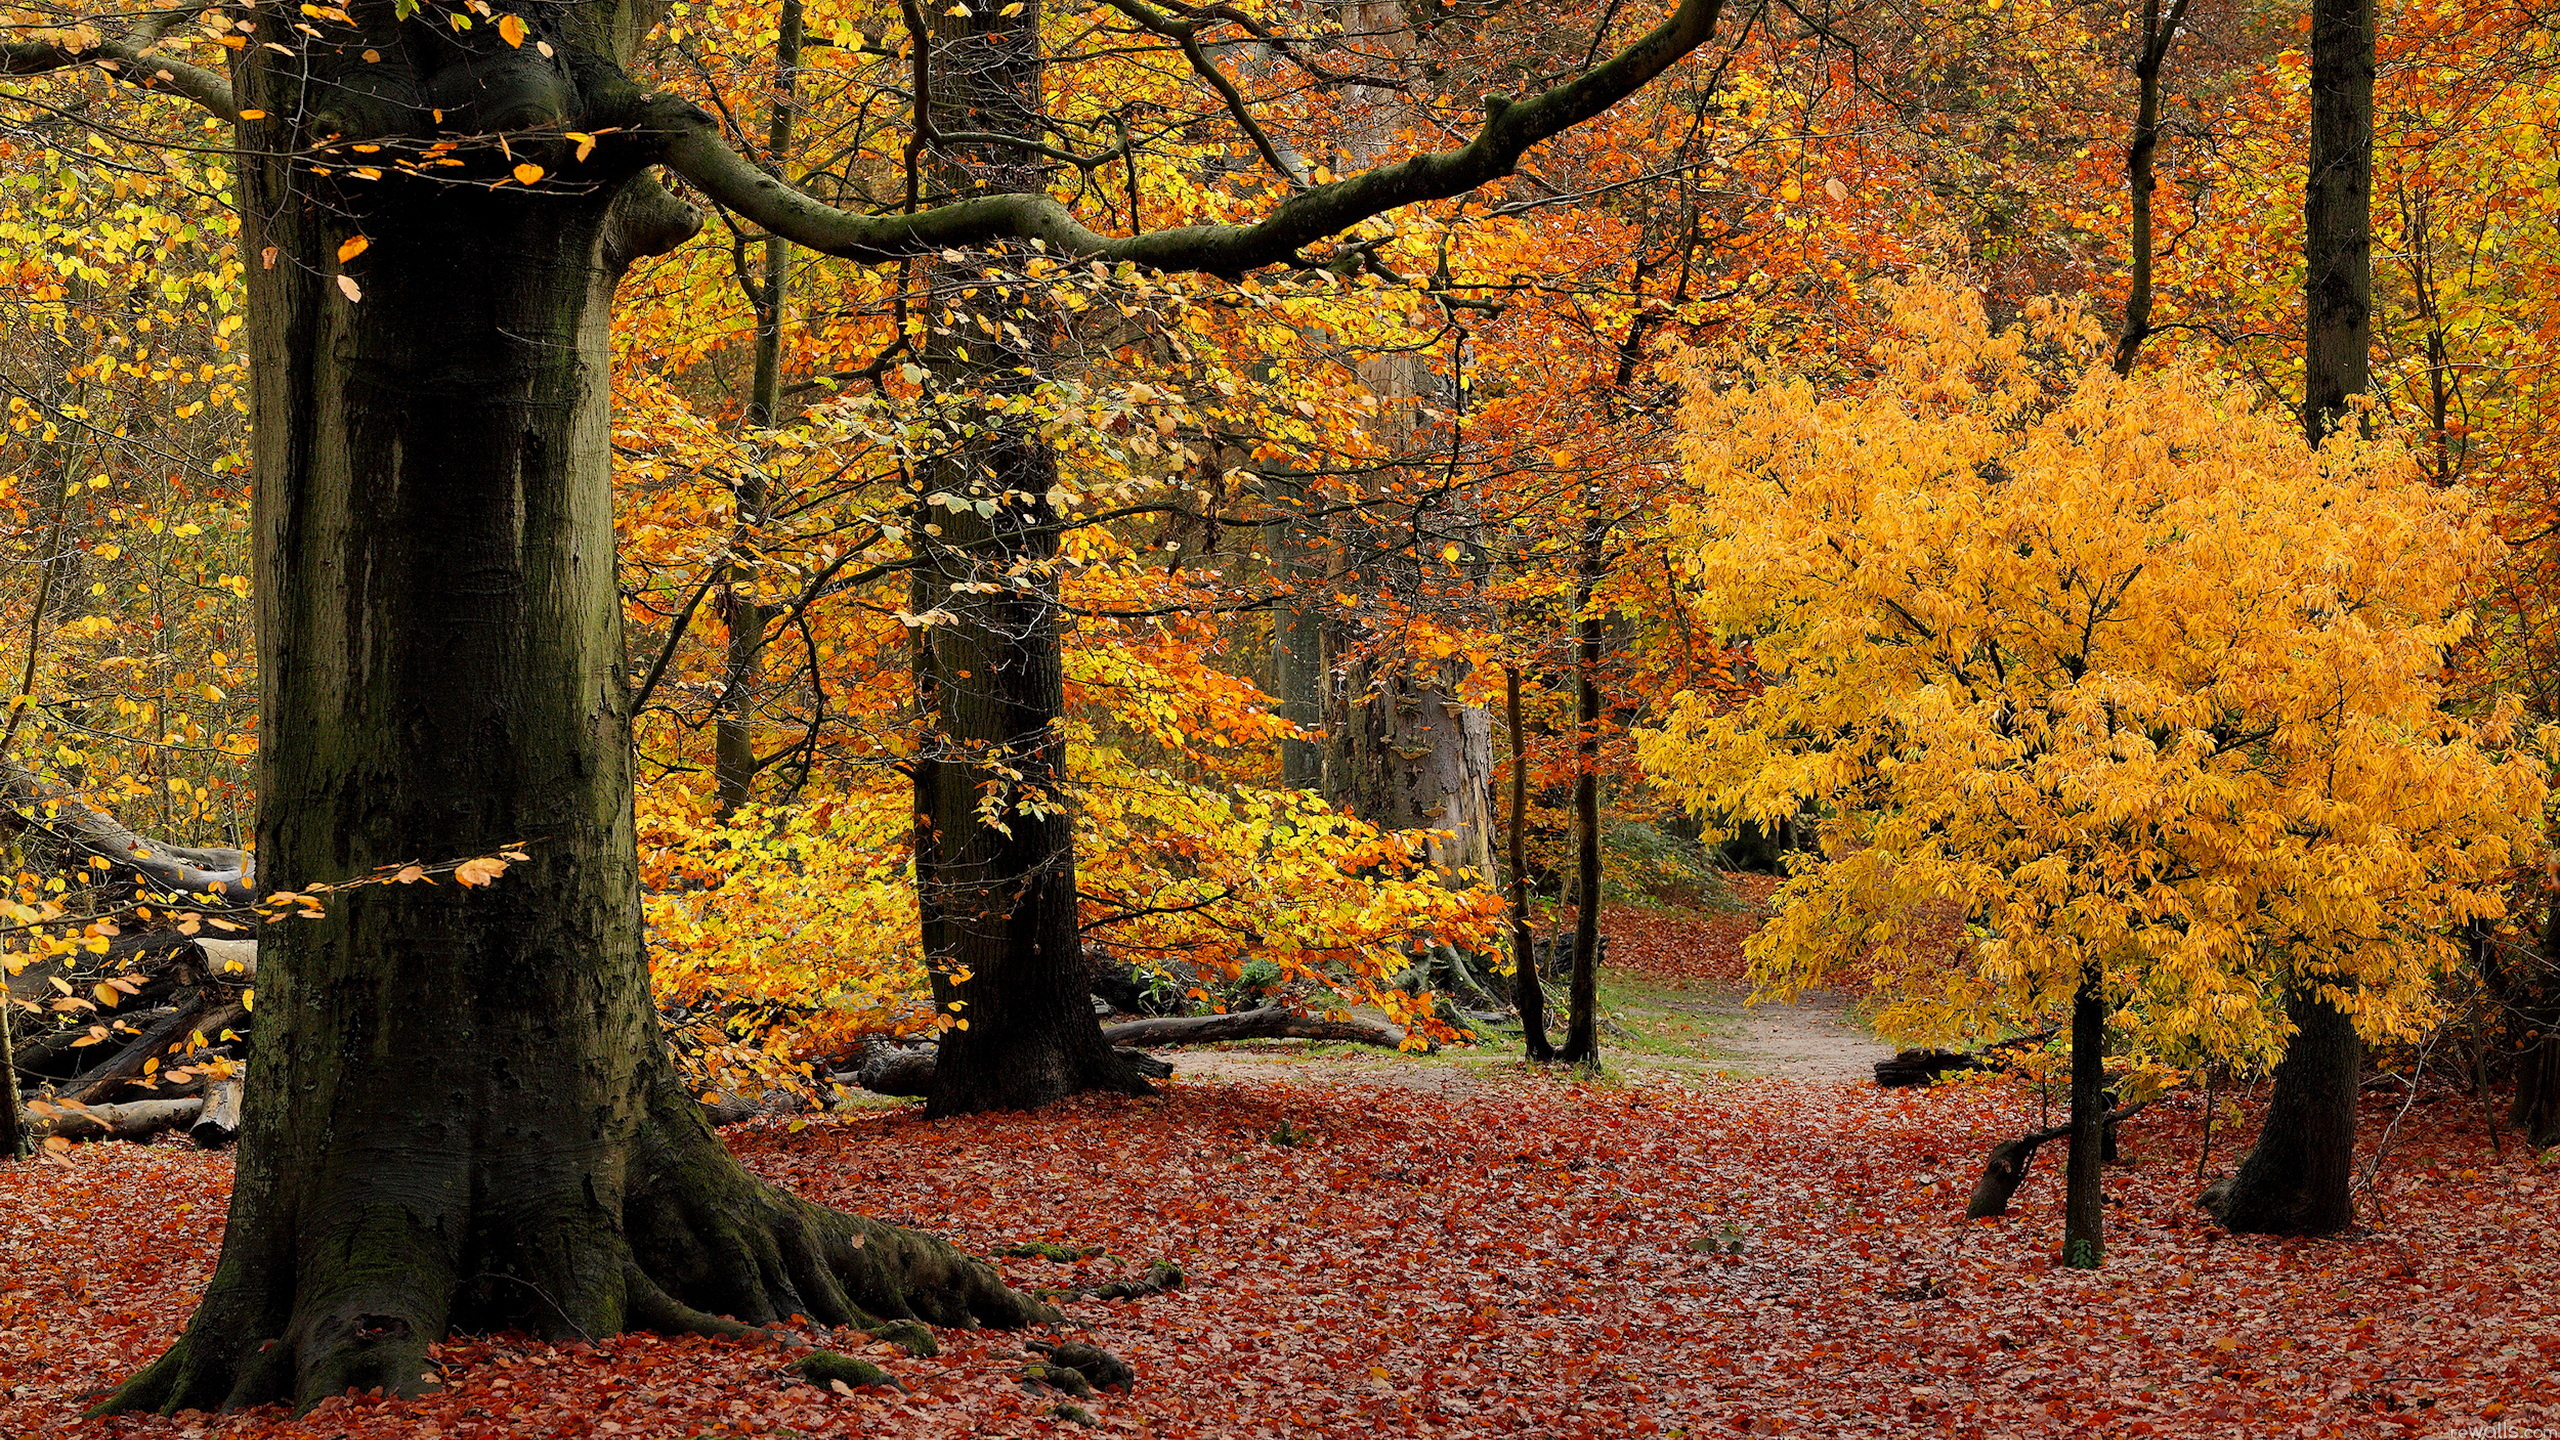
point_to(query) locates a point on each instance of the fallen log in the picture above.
(1271, 1022)
(95, 1085)
(137, 1120)
(218, 1124)
(908, 1074)
(1923, 1067)
(2006, 1168)
(222, 874)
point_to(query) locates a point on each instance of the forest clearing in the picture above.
(1268, 717)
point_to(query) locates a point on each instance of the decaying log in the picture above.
(36, 1055)
(1923, 1067)
(229, 962)
(209, 1016)
(218, 1124)
(138, 1120)
(219, 874)
(2006, 1168)
(1271, 1022)
(908, 1073)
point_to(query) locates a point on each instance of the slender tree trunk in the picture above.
(442, 661)
(2300, 1178)
(13, 1134)
(997, 874)
(1528, 991)
(1582, 1025)
(733, 739)
(2084, 1212)
(2140, 178)
(2337, 216)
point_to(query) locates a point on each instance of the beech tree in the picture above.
(2143, 686)
(463, 1116)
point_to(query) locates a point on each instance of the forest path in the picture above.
(1653, 1035)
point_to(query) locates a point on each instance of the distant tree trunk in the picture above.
(1582, 1027)
(1413, 756)
(2300, 1178)
(2084, 1210)
(2140, 179)
(1297, 640)
(999, 898)
(733, 741)
(1528, 992)
(2534, 1006)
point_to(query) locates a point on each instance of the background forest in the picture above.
(1859, 478)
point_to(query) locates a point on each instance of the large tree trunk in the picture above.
(2300, 1178)
(441, 647)
(2298, 1181)
(1413, 756)
(996, 864)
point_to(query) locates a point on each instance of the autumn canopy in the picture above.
(933, 706)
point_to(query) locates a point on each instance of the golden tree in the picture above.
(2119, 667)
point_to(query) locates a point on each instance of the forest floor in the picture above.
(1463, 1246)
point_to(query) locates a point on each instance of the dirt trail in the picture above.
(1814, 1040)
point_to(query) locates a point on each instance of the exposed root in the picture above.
(300, 1313)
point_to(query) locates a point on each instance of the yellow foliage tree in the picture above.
(2119, 668)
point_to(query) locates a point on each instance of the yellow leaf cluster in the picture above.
(2119, 669)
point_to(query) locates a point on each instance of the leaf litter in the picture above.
(1530, 1257)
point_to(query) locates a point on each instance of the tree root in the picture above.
(308, 1306)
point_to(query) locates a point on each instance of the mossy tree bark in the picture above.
(465, 1118)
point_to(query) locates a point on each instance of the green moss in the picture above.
(826, 1366)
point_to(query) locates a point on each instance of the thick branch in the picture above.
(691, 146)
(129, 58)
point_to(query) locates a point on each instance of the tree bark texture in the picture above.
(464, 1117)
(997, 865)
(734, 763)
(2300, 1177)
(1412, 756)
(13, 1134)
(2337, 216)
(2533, 1007)
(2084, 1213)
